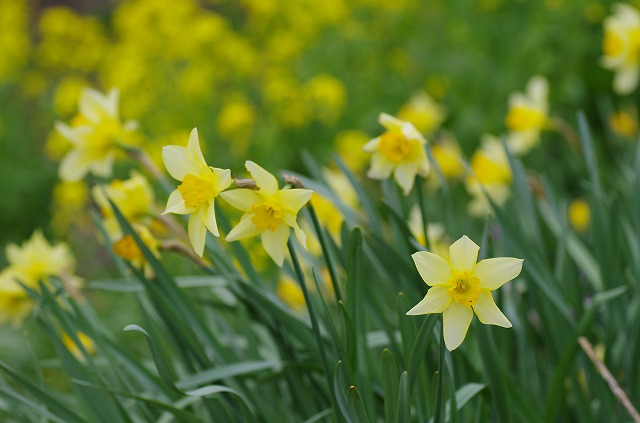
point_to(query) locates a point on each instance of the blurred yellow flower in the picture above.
(435, 232)
(527, 116)
(15, 304)
(624, 123)
(269, 212)
(328, 96)
(400, 150)
(14, 37)
(579, 214)
(348, 145)
(621, 47)
(95, 134)
(69, 200)
(74, 349)
(290, 293)
(423, 112)
(460, 287)
(127, 248)
(134, 197)
(491, 174)
(448, 155)
(201, 184)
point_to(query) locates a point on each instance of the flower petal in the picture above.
(626, 79)
(104, 166)
(433, 269)
(95, 106)
(371, 145)
(198, 230)
(456, 321)
(275, 243)
(294, 199)
(193, 148)
(175, 204)
(244, 229)
(495, 272)
(436, 301)
(74, 166)
(389, 122)
(381, 168)
(463, 254)
(210, 219)
(290, 219)
(224, 178)
(242, 198)
(264, 180)
(177, 162)
(404, 175)
(488, 312)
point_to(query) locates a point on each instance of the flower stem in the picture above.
(423, 212)
(314, 322)
(437, 418)
(325, 252)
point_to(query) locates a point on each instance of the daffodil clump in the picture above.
(461, 286)
(621, 47)
(399, 151)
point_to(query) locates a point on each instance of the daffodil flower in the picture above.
(400, 151)
(527, 116)
(621, 47)
(95, 136)
(460, 287)
(269, 212)
(201, 184)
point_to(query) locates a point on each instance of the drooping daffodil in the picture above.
(269, 212)
(460, 287)
(200, 185)
(400, 150)
(95, 135)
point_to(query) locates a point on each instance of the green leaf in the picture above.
(403, 410)
(356, 408)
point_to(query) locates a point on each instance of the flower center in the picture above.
(267, 216)
(464, 288)
(612, 45)
(521, 118)
(394, 146)
(127, 248)
(196, 191)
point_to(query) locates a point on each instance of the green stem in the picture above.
(437, 418)
(314, 322)
(325, 252)
(423, 211)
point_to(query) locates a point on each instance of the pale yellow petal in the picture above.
(389, 122)
(13, 253)
(244, 229)
(175, 204)
(404, 175)
(224, 178)
(433, 269)
(275, 243)
(242, 198)
(381, 168)
(103, 167)
(372, 145)
(70, 134)
(436, 301)
(456, 321)
(626, 79)
(495, 272)
(95, 106)
(74, 166)
(488, 312)
(198, 230)
(294, 199)
(290, 219)
(177, 162)
(210, 221)
(264, 180)
(463, 254)
(193, 148)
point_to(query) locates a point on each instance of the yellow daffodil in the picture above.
(460, 287)
(127, 248)
(435, 232)
(74, 349)
(269, 212)
(491, 175)
(621, 47)
(624, 123)
(95, 134)
(527, 116)
(348, 145)
(201, 184)
(447, 155)
(579, 214)
(15, 304)
(423, 112)
(37, 260)
(400, 150)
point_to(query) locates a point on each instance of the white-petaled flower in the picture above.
(95, 135)
(528, 116)
(621, 47)
(269, 212)
(201, 184)
(460, 287)
(400, 150)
